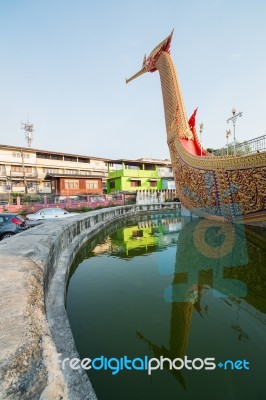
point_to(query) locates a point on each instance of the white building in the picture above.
(24, 169)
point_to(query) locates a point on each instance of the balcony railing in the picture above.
(133, 173)
(27, 174)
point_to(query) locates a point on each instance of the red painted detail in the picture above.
(192, 146)
(150, 62)
(192, 120)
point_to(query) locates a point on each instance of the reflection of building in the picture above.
(132, 175)
(102, 247)
(146, 236)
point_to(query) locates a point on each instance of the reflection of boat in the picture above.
(217, 187)
(230, 265)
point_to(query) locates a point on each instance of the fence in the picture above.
(67, 202)
(256, 145)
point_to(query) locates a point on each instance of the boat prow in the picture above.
(224, 188)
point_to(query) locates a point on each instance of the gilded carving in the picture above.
(229, 187)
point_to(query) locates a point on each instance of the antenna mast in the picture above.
(28, 129)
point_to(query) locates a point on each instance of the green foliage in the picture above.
(210, 150)
(241, 149)
(26, 198)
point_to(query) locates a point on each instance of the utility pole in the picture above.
(227, 134)
(23, 171)
(200, 130)
(28, 129)
(233, 119)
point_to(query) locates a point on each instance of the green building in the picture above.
(133, 175)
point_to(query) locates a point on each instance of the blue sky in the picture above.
(64, 64)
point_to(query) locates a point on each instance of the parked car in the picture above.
(50, 213)
(10, 224)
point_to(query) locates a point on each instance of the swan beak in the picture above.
(142, 71)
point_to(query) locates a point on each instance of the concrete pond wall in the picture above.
(34, 327)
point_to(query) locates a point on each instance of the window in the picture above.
(47, 184)
(70, 158)
(17, 184)
(33, 185)
(136, 167)
(153, 184)
(14, 154)
(112, 184)
(92, 184)
(150, 167)
(135, 183)
(2, 183)
(56, 157)
(59, 211)
(43, 155)
(83, 160)
(16, 168)
(47, 212)
(71, 184)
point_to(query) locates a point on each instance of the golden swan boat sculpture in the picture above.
(230, 188)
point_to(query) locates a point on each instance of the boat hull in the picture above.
(220, 188)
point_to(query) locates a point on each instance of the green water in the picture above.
(173, 288)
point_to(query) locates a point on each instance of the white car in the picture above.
(50, 213)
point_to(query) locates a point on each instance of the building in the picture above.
(142, 174)
(65, 185)
(34, 171)
(27, 170)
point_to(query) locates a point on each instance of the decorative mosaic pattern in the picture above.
(251, 189)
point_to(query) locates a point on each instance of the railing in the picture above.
(256, 145)
(34, 204)
(14, 174)
(133, 173)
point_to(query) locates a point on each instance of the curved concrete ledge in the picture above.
(34, 327)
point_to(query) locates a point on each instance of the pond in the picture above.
(168, 308)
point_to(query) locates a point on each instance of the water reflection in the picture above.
(192, 288)
(205, 248)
